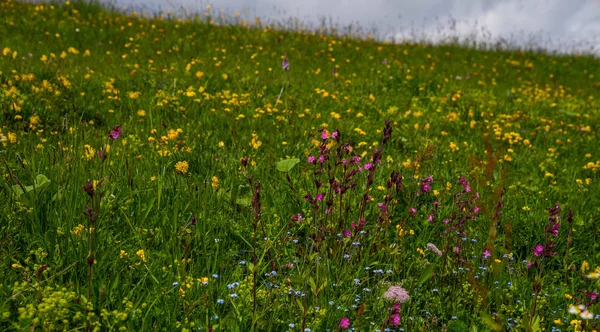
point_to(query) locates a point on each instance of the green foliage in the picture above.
(223, 200)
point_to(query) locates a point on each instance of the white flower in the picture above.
(586, 314)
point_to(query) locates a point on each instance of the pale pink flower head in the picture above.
(397, 294)
(431, 247)
(345, 323)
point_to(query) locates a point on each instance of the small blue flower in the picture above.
(220, 301)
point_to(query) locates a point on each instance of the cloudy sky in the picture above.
(563, 25)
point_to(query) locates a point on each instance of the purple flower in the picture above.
(311, 159)
(425, 187)
(538, 250)
(285, 64)
(382, 207)
(368, 166)
(412, 210)
(476, 210)
(319, 197)
(321, 159)
(115, 132)
(345, 323)
(347, 233)
(335, 134)
(554, 229)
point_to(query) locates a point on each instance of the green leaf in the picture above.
(41, 182)
(427, 273)
(300, 304)
(313, 285)
(490, 323)
(287, 165)
(535, 326)
(244, 201)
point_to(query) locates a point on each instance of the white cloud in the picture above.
(554, 24)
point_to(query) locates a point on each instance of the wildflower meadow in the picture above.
(202, 172)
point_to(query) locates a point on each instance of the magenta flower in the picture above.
(335, 134)
(486, 253)
(476, 210)
(115, 132)
(395, 319)
(538, 250)
(324, 135)
(412, 210)
(311, 159)
(345, 323)
(319, 197)
(321, 159)
(347, 233)
(368, 166)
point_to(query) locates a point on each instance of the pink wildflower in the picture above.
(538, 250)
(486, 253)
(345, 323)
(324, 135)
(395, 319)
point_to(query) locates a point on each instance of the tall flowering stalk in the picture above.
(541, 251)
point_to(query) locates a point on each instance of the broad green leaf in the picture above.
(427, 273)
(287, 165)
(41, 182)
(244, 201)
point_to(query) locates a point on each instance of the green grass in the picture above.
(183, 236)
